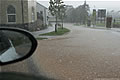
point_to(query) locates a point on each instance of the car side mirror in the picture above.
(15, 45)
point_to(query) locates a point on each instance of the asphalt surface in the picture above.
(49, 29)
(82, 54)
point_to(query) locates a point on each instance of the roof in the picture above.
(41, 5)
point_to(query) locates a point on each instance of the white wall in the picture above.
(32, 3)
(45, 12)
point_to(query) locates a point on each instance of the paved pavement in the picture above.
(49, 29)
(116, 29)
(101, 27)
(83, 54)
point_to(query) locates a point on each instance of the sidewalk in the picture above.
(37, 33)
(116, 29)
(101, 27)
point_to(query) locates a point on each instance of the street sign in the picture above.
(102, 13)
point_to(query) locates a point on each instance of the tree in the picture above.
(62, 14)
(82, 12)
(70, 15)
(79, 14)
(86, 10)
(55, 7)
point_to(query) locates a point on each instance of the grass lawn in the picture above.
(60, 31)
(117, 23)
(98, 27)
(76, 24)
(41, 38)
(100, 24)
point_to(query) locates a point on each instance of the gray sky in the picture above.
(106, 4)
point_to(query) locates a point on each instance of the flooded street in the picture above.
(82, 54)
(77, 39)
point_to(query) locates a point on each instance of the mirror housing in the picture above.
(28, 35)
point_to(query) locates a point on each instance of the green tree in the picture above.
(70, 15)
(62, 14)
(55, 7)
(79, 14)
(82, 13)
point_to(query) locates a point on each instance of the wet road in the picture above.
(82, 54)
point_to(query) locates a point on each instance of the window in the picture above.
(11, 14)
(38, 15)
(41, 12)
(41, 15)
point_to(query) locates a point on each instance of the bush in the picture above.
(116, 25)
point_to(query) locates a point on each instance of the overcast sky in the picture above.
(107, 4)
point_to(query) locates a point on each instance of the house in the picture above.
(52, 19)
(18, 13)
(42, 16)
